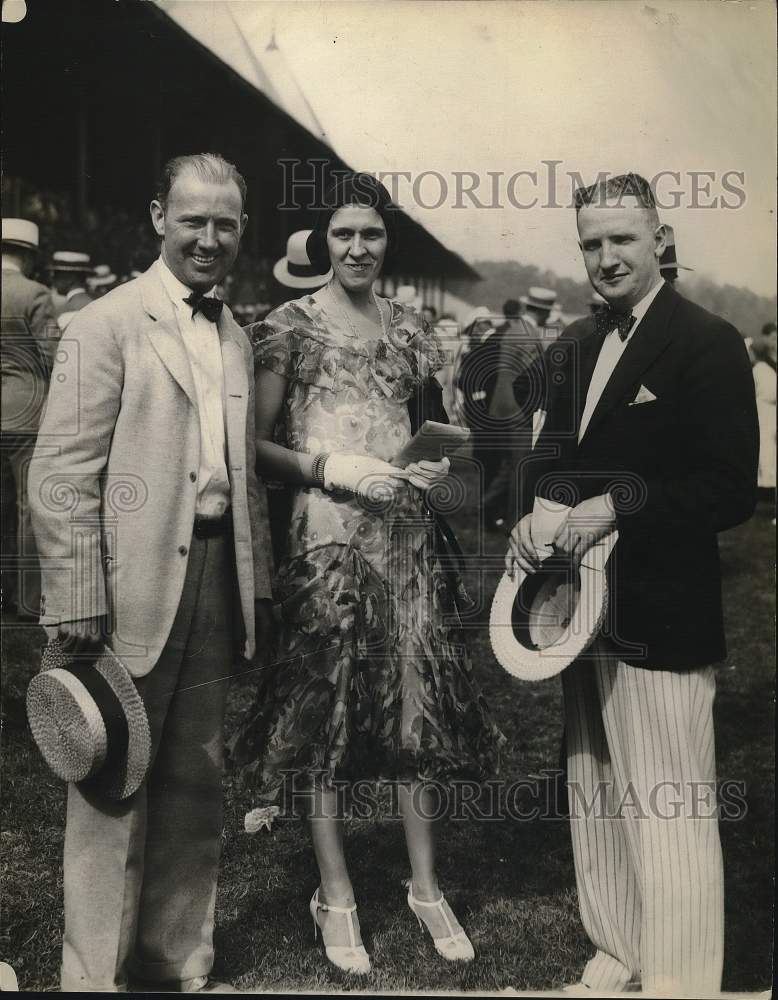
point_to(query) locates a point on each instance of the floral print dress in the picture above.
(372, 679)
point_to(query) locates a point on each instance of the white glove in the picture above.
(366, 476)
(425, 474)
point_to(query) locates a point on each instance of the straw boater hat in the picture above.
(539, 298)
(668, 260)
(20, 233)
(70, 260)
(89, 721)
(541, 622)
(103, 275)
(295, 270)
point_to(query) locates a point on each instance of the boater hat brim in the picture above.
(298, 275)
(89, 721)
(541, 622)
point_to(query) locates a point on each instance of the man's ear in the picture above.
(157, 217)
(243, 220)
(660, 240)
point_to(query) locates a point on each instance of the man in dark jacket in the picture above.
(650, 429)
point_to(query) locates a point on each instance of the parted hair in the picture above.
(210, 167)
(352, 189)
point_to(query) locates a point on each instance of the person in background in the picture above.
(68, 273)
(28, 343)
(294, 274)
(475, 380)
(430, 314)
(373, 680)
(668, 262)
(765, 382)
(102, 280)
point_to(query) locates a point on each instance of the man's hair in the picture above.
(615, 188)
(209, 167)
(511, 308)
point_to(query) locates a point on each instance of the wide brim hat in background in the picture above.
(295, 270)
(89, 721)
(541, 622)
(539, 298)
(71, 260)
(20, 233)
(668, 261)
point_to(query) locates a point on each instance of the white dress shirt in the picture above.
(612, 349)
(201, 340)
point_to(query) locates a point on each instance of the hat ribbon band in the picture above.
(301, 270)
(110, 708)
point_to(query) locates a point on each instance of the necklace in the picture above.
(349, 322)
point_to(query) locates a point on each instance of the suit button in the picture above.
(182, 549)
(193, 476)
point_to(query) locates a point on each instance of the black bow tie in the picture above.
(608, 319)
(210, 307)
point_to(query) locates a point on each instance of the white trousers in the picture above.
(648, 864)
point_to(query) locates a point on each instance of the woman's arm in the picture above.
(273, 460)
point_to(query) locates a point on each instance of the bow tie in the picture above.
(609, 319)
(210, 307)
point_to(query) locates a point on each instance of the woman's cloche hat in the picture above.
(295, 270)
(89, 721)
(541, 622)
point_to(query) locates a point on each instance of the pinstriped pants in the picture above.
(648, 864)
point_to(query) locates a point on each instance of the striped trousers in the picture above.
(648, 864)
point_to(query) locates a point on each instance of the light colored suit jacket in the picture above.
(113, 481)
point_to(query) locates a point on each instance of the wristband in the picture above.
(317, 469)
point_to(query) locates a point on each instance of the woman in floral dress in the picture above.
(372, 678)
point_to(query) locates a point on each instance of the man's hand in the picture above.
(265, 625)
(521, 548)
(84, 636)
(586, 524)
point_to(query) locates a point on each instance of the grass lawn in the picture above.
(511, 882)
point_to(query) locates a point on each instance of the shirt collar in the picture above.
(176, 289)
(11, 265)
(640, 310)
(75, 291)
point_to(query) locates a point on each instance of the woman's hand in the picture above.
(366, 476)
(425, 474)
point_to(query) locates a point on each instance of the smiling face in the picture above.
(621, 244)
(356, 241)
(201, 226)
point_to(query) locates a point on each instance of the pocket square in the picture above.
(644, 396)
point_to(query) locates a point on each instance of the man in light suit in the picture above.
(153, 535)
(650, 429)
(28, 343)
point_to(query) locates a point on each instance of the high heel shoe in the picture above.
(350, 958)
(456, 945)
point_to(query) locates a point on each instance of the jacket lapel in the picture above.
(163, 332)
(650, 339)
(235, 393)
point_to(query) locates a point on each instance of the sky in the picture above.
(468, 94)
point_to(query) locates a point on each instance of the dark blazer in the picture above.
(680, 468)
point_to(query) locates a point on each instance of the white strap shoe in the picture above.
(351, 957)
(456, 945)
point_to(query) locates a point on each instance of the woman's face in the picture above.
(356, 240)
